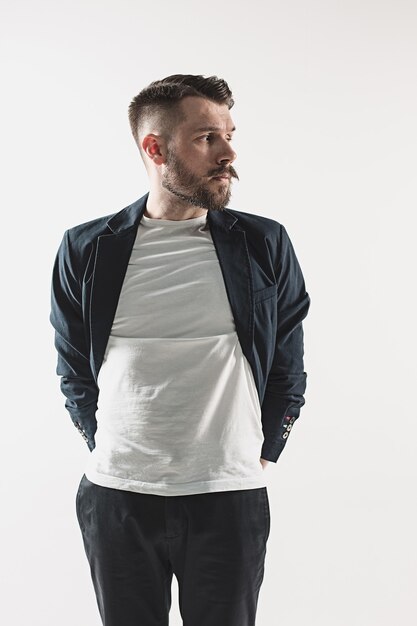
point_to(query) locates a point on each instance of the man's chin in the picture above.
(210, 201)
(204, 198)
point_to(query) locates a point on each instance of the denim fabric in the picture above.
(214, 543)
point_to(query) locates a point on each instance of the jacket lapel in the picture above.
(112, 258)
(111, 261)
(230, 242)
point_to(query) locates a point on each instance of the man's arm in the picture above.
(287, 380)
(77, 382)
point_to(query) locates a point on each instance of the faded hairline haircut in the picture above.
(159, 102)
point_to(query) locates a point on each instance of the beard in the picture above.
(180, 181)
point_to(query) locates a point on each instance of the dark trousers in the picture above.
(214, 543)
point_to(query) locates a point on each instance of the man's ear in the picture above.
(151, 145)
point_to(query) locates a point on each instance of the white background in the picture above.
(326, 141)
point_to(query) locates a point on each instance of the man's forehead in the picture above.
(203, 115)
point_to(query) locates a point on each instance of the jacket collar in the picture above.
(130, 216)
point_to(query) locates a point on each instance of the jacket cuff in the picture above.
(85, 422)
(272, 448)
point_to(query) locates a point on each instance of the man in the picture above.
(178, 326)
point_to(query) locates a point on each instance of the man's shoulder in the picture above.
(89, 230)
(81, 236)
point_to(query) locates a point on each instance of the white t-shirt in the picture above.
(178, 410)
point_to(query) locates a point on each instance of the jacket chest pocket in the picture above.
(265, 326)
(264, 294)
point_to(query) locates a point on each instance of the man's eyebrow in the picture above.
(212, 128)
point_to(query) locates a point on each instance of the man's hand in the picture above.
(264, 462)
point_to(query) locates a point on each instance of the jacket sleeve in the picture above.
(77, 382)
(286, 382)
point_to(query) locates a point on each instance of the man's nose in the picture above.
(228, 154)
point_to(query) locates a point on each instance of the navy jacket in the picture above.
(265, 288)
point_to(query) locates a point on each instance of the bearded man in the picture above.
(178, 327)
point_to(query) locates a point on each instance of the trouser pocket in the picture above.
(78, 502)
(267, 511)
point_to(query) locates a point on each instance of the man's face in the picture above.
(200, 150)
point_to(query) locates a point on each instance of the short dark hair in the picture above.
(160, 99)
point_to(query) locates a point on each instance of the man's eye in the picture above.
(211, 137)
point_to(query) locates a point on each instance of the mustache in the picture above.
(230, 171)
